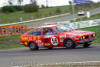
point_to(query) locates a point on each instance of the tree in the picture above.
(10, 2)
(70, 2)
(43, 6)
(34, 2)
(20, 1)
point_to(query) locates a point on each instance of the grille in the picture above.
(86, 37)
(89, 36)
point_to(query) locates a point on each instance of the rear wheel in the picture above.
(33, 46)
(68, 43)
(86, 45)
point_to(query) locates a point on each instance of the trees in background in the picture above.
(30, 8)
(10, 2)
(34, 2)
(20, 1)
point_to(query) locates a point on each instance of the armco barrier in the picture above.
(12, 30)
(76, 25)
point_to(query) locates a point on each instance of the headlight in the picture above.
(93, 35)
(83, 37)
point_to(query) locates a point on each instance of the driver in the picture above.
(50, 32)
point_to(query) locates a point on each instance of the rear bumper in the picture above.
(87, 41)
(22, 43)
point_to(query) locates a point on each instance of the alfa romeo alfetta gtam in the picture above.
(56, 36)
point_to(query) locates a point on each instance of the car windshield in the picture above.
(63, 28)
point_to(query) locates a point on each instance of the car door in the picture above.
(50, 39)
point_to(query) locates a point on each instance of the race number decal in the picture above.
(54, 41)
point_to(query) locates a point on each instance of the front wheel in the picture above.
(33, 46)
(69, 43)
(86, 45)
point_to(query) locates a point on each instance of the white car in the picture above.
(81, 13)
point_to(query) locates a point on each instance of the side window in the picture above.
(49, 31)
(36, 32)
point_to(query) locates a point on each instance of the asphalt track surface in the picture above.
(56, 55)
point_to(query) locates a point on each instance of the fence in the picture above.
(76, 25)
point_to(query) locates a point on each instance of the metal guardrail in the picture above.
(76, 25)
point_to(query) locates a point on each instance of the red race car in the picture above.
(56, 36)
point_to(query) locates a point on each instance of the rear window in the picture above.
(36, 32)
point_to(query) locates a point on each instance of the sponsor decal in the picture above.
(25, 39)
(61, 39)
(26, 43)
(38, 41)
(39, 38)
(34, 38)
(30, 38)
(46, 40)
(54, 41)
(62, 35)
(40, 44)
(47, 44)
(47, 36)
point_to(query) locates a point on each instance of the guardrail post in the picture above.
(99, 28)
(21, 19)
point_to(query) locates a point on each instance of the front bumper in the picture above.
(86, 41)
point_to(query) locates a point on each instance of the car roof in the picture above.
(47, 26)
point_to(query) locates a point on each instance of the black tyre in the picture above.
(86, 45)
(50, 47)
(33, 46)
(68, 43)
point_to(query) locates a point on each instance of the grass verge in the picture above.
(12, 42)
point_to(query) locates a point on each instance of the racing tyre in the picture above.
(33, 46)
(69, 44)
(50, 47)
(86, 45)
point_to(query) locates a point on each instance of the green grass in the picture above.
(94, 29)
(12, 42)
